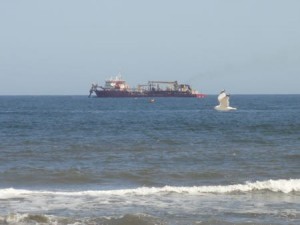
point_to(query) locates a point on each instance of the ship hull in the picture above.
(152, 94)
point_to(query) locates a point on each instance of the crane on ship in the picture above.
(154, 85)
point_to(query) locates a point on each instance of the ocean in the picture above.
(177, 161)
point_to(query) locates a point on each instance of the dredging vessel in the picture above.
(117, 88)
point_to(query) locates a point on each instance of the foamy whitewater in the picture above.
(79, 160)
(285, 186)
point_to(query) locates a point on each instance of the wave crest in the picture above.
(284, 186)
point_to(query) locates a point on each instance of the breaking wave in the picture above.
(129, 219)
(284, 186)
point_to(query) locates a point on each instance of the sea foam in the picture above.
(284, 186)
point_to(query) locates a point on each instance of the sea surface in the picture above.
(177, 161)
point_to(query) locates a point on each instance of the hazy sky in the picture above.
(62, 46)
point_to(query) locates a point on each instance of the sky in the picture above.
(61, 47)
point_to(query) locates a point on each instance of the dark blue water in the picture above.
(79, 160)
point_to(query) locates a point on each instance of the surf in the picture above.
(282, 185)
